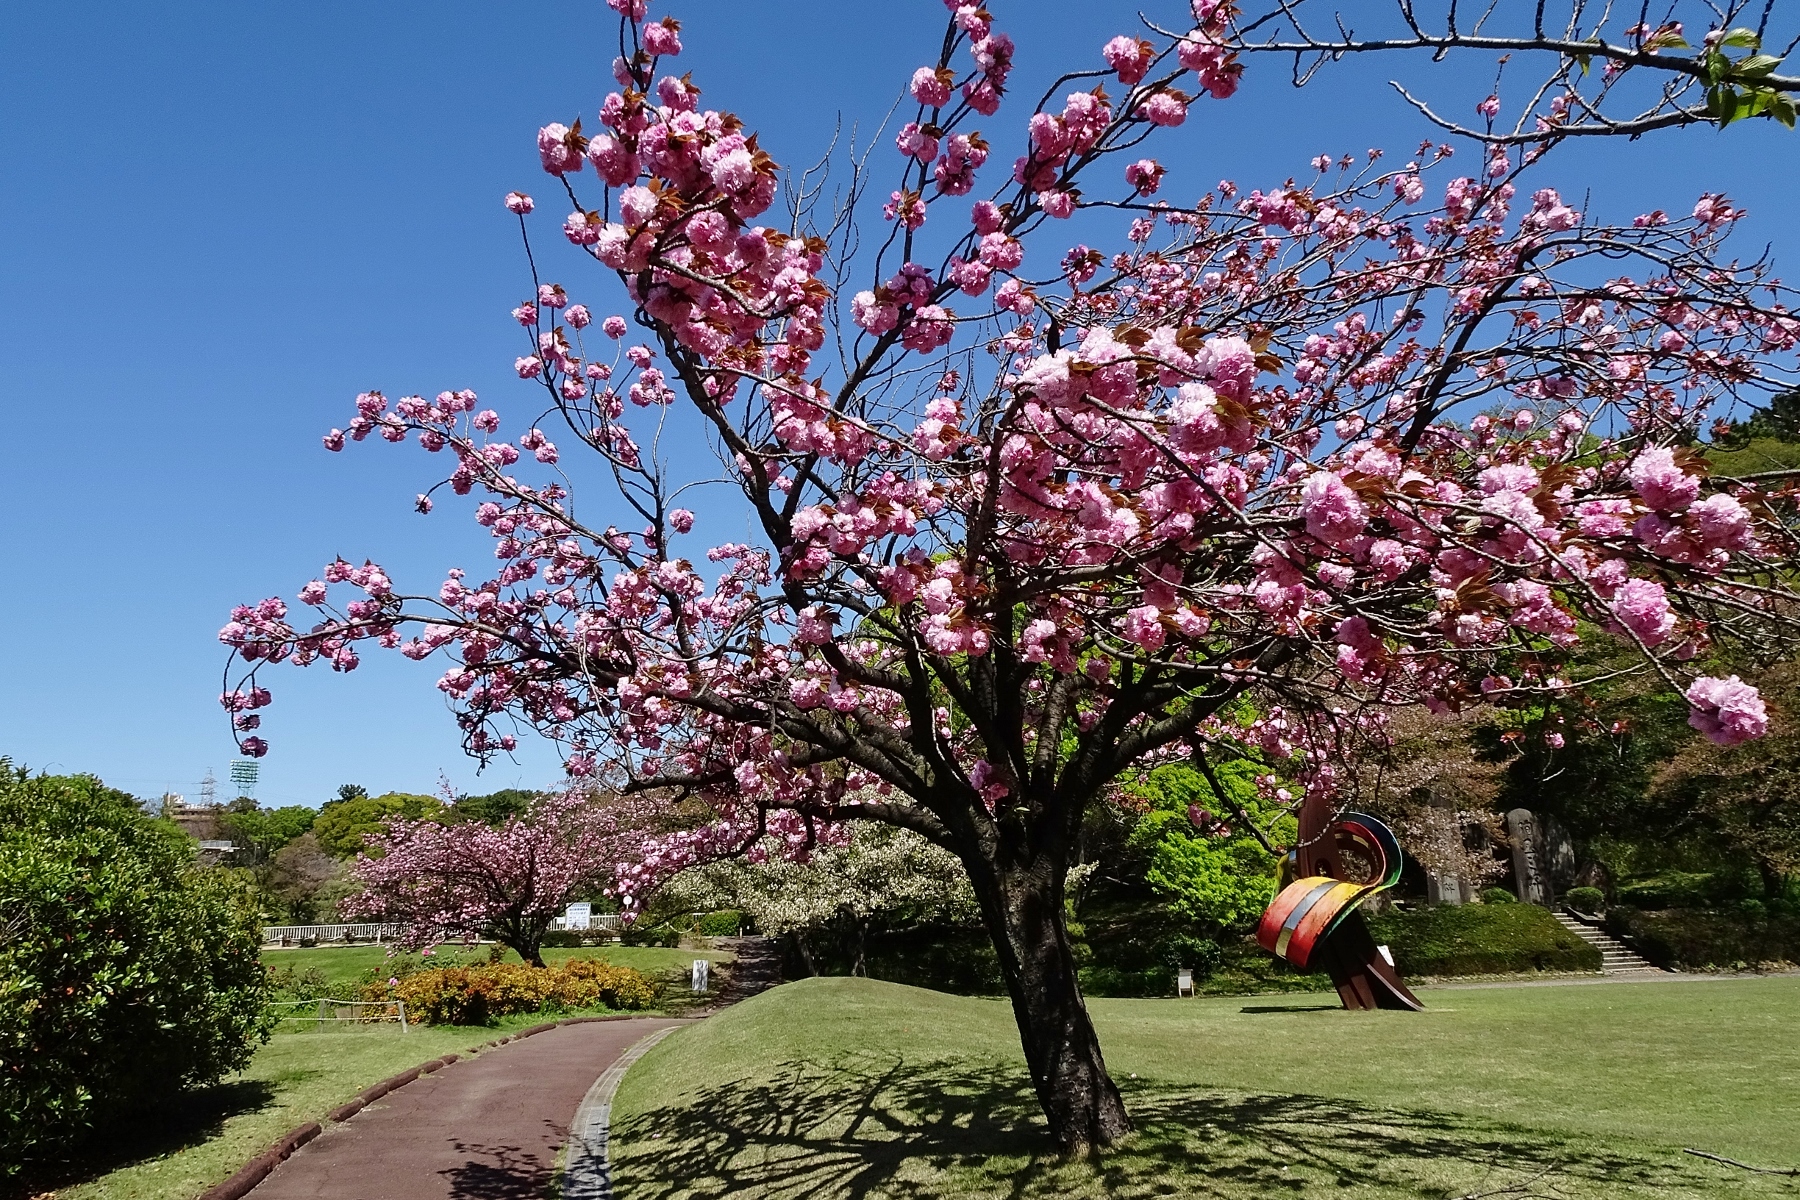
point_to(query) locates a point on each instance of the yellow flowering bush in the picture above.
(475, 995)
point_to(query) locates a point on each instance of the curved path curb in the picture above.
(258, 1168)
(490, 1129)
(587, 1171)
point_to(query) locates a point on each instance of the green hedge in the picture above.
(725, 923)
(1697, 939)
(943, 958)
(1139, 959)
(1481, 939)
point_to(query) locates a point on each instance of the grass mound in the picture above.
(847, 1088)
(1481, 939)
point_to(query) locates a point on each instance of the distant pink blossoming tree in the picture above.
(508, 881)
(1030, 517)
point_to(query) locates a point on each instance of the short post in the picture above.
(1184, 981)
(702, 969)
(401, 1006)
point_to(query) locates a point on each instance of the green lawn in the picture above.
(852, 1088)
(344, 965)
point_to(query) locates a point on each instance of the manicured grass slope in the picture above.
(855, 1088)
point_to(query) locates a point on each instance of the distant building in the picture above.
(202, 822)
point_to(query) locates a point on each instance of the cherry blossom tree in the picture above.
(1032, 517)
(469, 878)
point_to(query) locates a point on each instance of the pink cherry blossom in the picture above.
(1145, 175)
(558, 150)
(1722, 523)
(1661, 483)
(1334, 514)
(1165, 108)
(1129, 57)
(662, 38)
(466, 878)
(1643, 608)
(1728, 711)
(930, 88)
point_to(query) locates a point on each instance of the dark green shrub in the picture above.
(1481, 939)
(650, 935)
(1676, 889)
(287, 984)
(726, 923)
(1497, 895)
(1186, 950)
(1697, 939)
(563, 938)
(127, 974)
(941, 957)
(1585, 899)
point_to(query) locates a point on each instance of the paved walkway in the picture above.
(483, 1128)
(1651, 976)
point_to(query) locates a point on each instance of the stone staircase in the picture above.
(1615, 958)
(755, 969)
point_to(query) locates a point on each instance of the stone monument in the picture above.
(1529, 866)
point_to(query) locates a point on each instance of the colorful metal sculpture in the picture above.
(1314, 922)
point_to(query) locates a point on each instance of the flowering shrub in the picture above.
(475, 995)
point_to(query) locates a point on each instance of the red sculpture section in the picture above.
(1314, 923)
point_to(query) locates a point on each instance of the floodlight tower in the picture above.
(243, 774)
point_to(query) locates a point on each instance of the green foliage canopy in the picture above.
(493, 808)
(263, 831)
(1219, 882)
(342, 825)
(126, 972)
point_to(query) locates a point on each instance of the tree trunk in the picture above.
(527, 938)
(1023, 909)
(528, 949)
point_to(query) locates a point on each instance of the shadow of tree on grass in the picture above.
(872, 1127)
(179, 1123)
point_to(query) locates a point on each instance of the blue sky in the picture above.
(221, 221)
